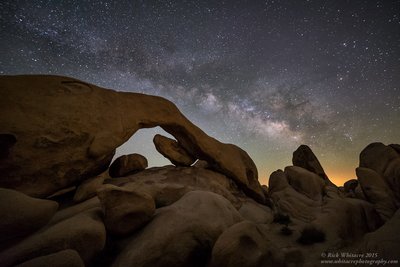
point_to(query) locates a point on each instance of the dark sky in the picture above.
(264, 75)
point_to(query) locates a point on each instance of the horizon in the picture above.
(266, 76)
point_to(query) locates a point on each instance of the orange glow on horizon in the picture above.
(338, 177)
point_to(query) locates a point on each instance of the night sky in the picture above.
(264, 75)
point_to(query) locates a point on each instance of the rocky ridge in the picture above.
(64, 204)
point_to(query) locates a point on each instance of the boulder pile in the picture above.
(64, 203)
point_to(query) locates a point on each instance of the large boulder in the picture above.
(385, 241)
(181, 234)
(88, 188)
(84, 233)
(22, 215)
(168, 184)
(72, 128)
(127, 164)
(377, 192)
(173, 151)
(305, 158)
(247, 244)
(125, 210)
(386, 162)
(305, 182)
(63, 258)
(256, 212)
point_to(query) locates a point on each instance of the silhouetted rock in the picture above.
(377, 192)
(305, 158)
(125, 210)
(173, 151)
(70, 117)
(22, 215)
(127, 164)
(181, 234)
(63, 258)
(395, 147)
(350, 185)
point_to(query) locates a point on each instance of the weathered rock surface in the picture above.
(246, 244)
(385, 241)
(305, 158)
(168, 184)
(181, 234)
(256, 212)
(127, 164)
(57, 134)
(377, 192)
(88, 188)
(125, 210)
(84, 233)
(87, 123)
(63, 258)
(173, 151)
(386, 162)
(305, 182)
(22, 215)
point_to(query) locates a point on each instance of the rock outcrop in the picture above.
(386, 162)
(377, 192)
(58, 137)
(52, 116)
(22, 215)
(184, 235)
(304, 157)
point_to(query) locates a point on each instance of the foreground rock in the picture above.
(173, 151)
(386, 162)
(247, 245)
(127, 164)
(22, 215)
(84, 233)
(168, 184)
(87, 123)
(125, 210)
(377, 192)
(181, 234)
(63, 258)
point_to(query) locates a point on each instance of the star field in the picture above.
(264, 75)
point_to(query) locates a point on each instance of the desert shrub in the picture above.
(311, 235)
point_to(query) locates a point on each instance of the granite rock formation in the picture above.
(52, 116)
(211, 213)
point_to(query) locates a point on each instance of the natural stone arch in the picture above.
(72, 128)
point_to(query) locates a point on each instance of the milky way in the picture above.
(264, 75)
